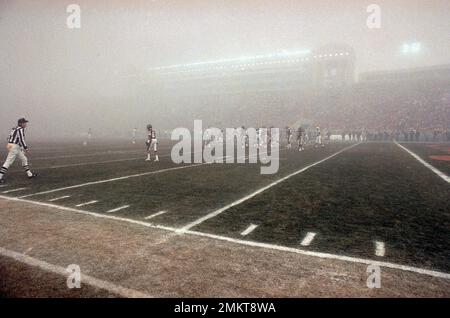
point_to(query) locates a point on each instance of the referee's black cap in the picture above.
(22, 121)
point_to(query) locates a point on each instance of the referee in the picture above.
(17, 147)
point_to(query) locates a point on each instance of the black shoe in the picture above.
(34, 175)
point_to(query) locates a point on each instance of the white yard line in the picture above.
(89, 163)
(99, 162)
(59, 198)
(119, 178)
(111, 152)
(85, 279)
(113, 179)
(85, 155)
(251, 195)
(118, 209)
(241, 242)
(250, 229)
(94, 214)
(14, 190)
(155, 215)
(442, 175)
(379, 248)
(86, 203)
(324, 255)
(308, 239)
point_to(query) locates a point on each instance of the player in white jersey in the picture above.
(152, 143)
(244, 137)
(262, 134)
(220, 137)
(89, 136)
(318, 138)
(207, 137)
(134, 136)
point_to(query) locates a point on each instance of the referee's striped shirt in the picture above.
(17, 136)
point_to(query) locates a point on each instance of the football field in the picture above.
(378, 203)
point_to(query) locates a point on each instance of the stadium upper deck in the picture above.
(330, 65)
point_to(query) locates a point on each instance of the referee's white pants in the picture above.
(14, 152)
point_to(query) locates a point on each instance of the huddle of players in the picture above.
(302, 138)
(264, 137)
(17, 146)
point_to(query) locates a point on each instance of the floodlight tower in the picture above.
(411, 52)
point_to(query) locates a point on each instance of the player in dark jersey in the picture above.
(288, 137)
(151, 142)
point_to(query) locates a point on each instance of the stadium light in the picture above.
(411, 48)
(241, 59)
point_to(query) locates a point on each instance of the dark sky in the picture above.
(54, 74)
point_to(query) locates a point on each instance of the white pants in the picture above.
(14, 152)
(152, 144)
(319, 140)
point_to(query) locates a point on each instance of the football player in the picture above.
(319, 142)
(300, 138)
(244, 137)
(151, 142)
(288, 137)
(133, 141)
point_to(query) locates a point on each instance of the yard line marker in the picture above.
(344, 258)
(13, 190)
(426, 164)
(86, 279)
(59, 198)
(27, 251)
(86, 203)
(308, 239)
(118, 209)
(155, 215)
(379, 248)
(250, 229)
(251, 195)
(350, 259)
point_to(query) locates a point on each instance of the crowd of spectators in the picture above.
(403, 110)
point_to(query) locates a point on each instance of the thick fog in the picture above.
(69, 80)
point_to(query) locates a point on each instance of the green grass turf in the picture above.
(374, 191)
(67, 176)
(371, 192)
(187, 193)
